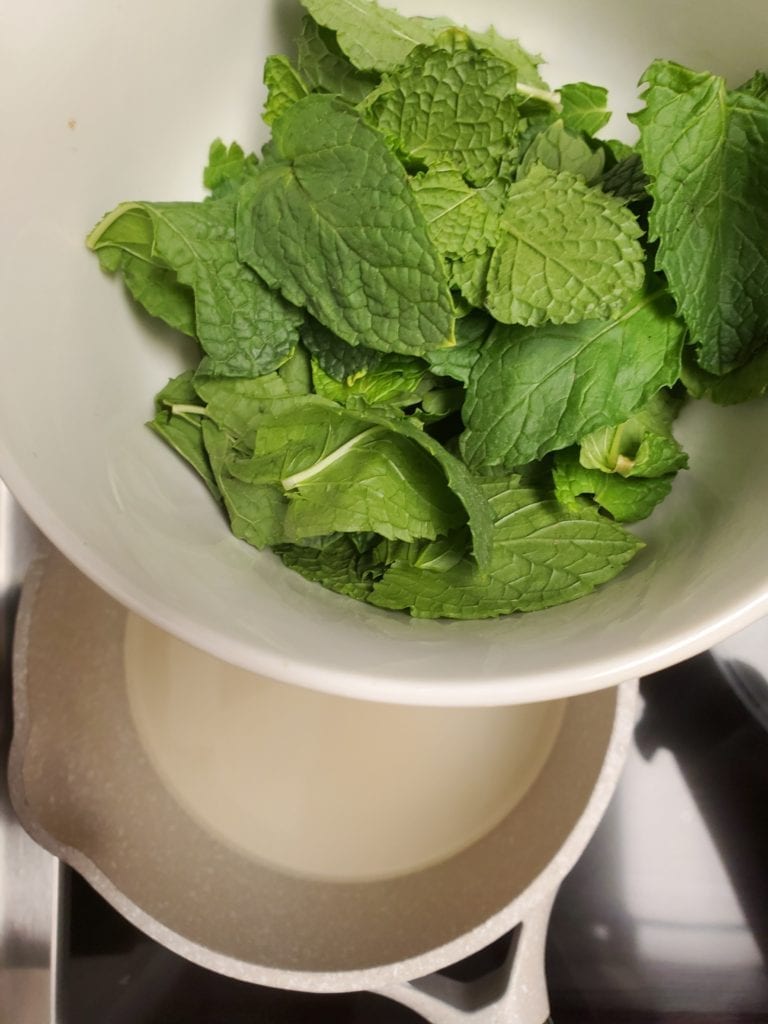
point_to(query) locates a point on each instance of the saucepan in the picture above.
(136, 759)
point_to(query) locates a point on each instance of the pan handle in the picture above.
(515, 993)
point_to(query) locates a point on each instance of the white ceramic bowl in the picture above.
(108, 102)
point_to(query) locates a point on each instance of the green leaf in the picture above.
(378, 38)
(642, 446)
(156, 288)
(536, 115)
(244, 328)
(256, 511)
(532, 391)
(452, 106)
(744, 384)
(562, 150)
(341, 361)
(567, 253)
(227, 168)
(439, 403)
(756, 86)
(626, 500)
(374, 38)
(626, 179)
(437, 555)
(704, 149)
(334, 225)
(179, 390)
(525, 64)
(395, 381)
(386, 484)
(186, 438)
(347, 473)
(285, 87)
(238, 405)
(656, 456)
(470, 276)
(336, 566)
(461, 219)
(472, 331)
(584, 107)
(180, 430)
(542, 555)
(325, 67)
(314, 433)
(463, 485)
(616, 150)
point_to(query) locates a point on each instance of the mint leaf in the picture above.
(748, 382)
(625, 500)
(326, 68)
(374, 38)
(757, 86)
(348, 473)
(656, 456)
(337, 566)
(239, 405)
(567, 253)
(704, 148)
(312, 437)
(463, 485)
(542, 555)
(439, 403)
(525, 64)
(472, 331)
(642, 446)
(155, 287)
(395, 381)
(561, 150)
(385, 484)
(185, 436)
(616, 150)
(533, 391)
(227, 168)
(285, 87)
(341, 361)
(256, 511)
(584, 107)
(378, 38)
(244, 328)
(181, 430)
(450, 104)
(437, 555)
(461, 219)
(469, 275)
(334, 225)
(626, 179)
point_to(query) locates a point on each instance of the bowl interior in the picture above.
(126, 110)
(84, 786)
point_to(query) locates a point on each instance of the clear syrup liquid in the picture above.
(321, 785)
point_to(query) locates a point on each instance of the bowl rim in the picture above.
(387, 686)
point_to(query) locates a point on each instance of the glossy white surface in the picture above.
(108, 102)
(320, 785)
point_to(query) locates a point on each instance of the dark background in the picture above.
(664, 920)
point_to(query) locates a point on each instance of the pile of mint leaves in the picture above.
(445, 330)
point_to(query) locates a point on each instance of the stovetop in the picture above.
(664, 919)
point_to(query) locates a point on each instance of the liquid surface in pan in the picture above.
(321, 785)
